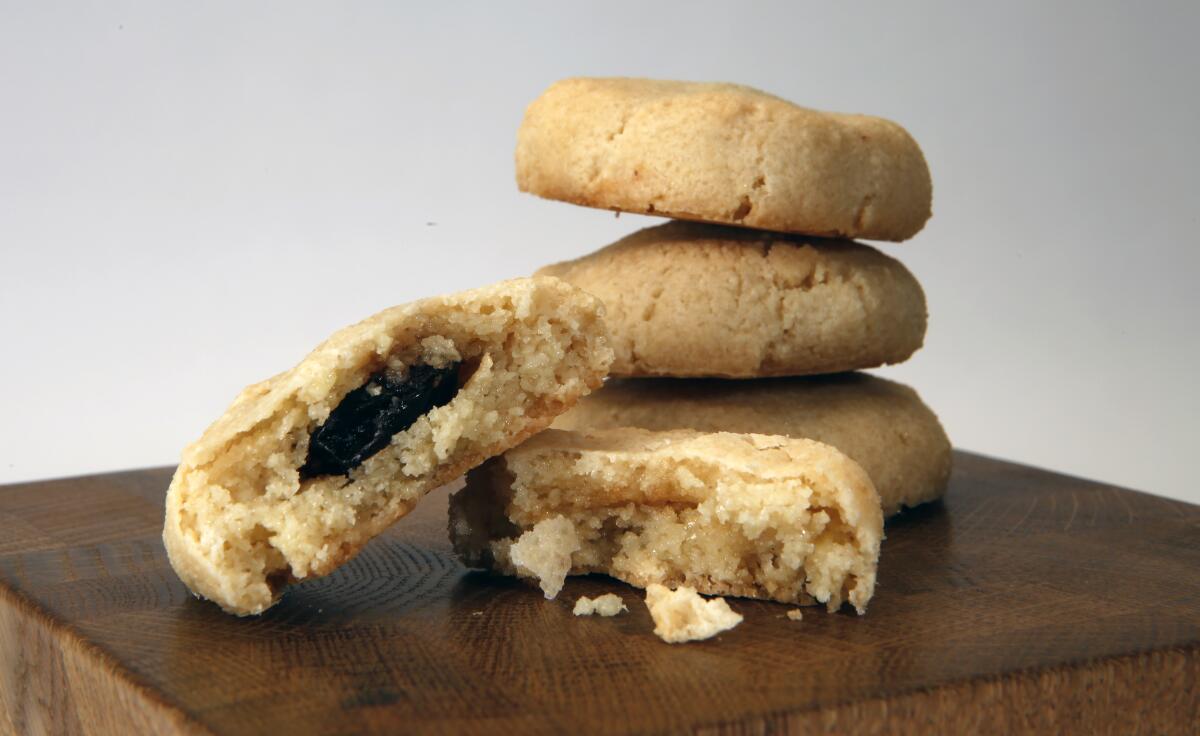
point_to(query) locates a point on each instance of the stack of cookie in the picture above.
(734, 449)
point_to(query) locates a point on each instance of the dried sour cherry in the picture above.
(367, 418)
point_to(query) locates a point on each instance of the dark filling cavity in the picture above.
(363, 424)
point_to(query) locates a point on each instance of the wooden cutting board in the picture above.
(1026, 600)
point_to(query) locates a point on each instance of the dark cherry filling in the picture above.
(363, 424)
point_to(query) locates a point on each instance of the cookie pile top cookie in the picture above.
(722, 153)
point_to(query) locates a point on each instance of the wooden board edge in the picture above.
(52, 681)
(1154, 692)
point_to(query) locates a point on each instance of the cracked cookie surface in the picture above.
(722, 153)
(691, 300)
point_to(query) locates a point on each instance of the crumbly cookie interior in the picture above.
(670, 508)
(682, 615)
(244, 522)
(609, 604)
(545, 552)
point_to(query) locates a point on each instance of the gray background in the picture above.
(193, 194)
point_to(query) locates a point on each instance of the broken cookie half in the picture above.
(750, 515)
(304, 468)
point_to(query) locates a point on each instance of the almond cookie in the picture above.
(684, 299)
(722, 153)
(749, 515)
(884, 426)
(306, 467)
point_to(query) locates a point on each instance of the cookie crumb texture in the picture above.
(682, 615)
(544, 553)
(691, 300)
(882, 425)
(746, 515)
(609, 604)
(795, 614)
(722, 153)
(243, 521)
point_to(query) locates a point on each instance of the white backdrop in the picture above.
(193, 194)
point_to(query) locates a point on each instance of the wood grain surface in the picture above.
(1026, 601)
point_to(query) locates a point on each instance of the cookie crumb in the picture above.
(682, 615)
(795, 614)
(609, 604)
(544, 552)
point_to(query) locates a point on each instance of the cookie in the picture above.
(884, 426)
(306, 467)
(751, 515)
(686, 300)
(722, 153)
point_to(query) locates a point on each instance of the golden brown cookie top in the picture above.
(722, 153)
